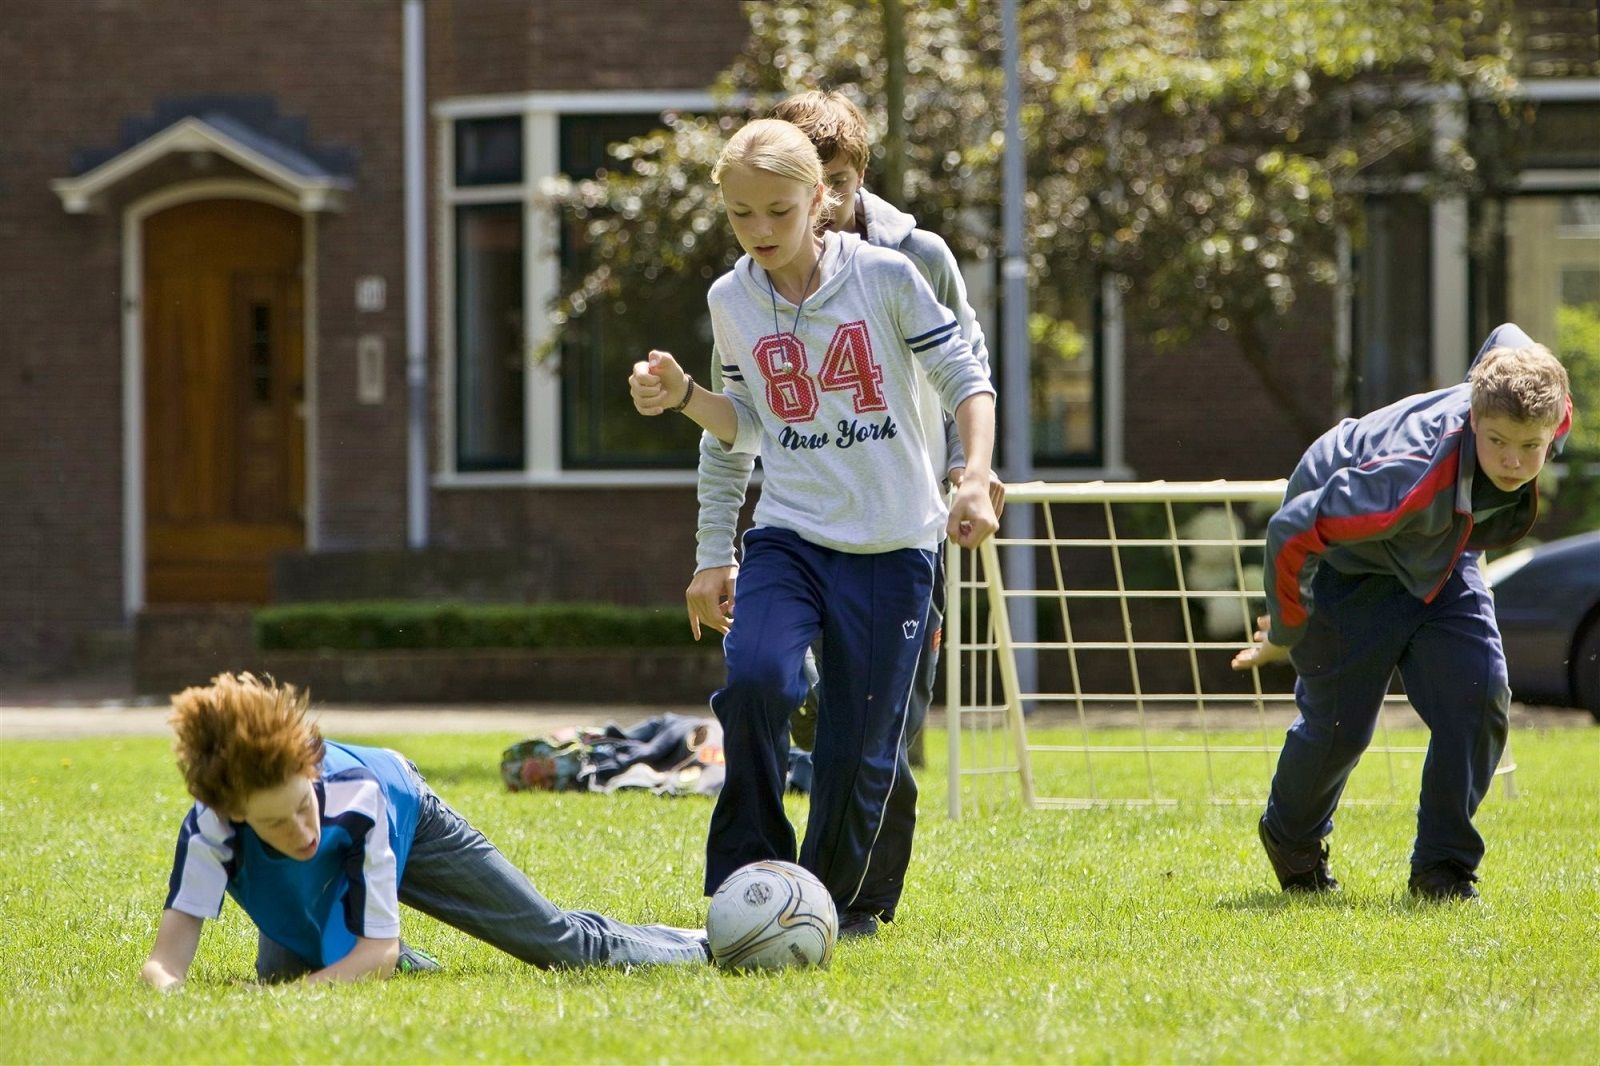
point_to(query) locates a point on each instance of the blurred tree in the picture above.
(1576, 496)
(1577, 345)
(1202, 152)
(890, 180)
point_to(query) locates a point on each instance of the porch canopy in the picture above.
(209, 141)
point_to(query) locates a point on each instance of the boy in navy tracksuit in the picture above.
(1372, 565)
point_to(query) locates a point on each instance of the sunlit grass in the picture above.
(1106, 935)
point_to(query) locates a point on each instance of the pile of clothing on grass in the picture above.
(670, 755)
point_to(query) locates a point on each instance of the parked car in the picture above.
(1547, 599)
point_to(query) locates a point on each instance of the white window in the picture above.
(516, 409)
(520, 410)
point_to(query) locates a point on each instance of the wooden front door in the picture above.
(224, 469)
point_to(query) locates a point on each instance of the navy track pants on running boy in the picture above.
(870, 611)
(1360, 629)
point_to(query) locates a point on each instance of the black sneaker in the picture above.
(1442, 882)
(1305, 870)
(415, 960)
(857, 923)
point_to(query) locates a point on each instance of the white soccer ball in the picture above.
(769, 915)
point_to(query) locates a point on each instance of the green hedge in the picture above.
(378, 624)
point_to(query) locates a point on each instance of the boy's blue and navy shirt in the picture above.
(369, 801)
(1392, 493)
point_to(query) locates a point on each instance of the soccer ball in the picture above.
(770, 915)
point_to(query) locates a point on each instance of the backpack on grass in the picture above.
(548, 764)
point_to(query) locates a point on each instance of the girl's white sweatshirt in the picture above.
(841, 404)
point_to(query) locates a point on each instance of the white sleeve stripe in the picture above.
(361, 795)
(203, 878)
(380, 911)
(196, 908)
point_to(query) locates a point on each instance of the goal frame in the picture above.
(971, 576)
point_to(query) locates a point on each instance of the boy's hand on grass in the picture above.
(1263, 652)
(177, 938)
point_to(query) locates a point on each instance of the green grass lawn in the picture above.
(1144, 934)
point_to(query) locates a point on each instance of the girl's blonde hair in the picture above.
(780, 148)
(240, 735)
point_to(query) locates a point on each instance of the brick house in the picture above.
(227, 284)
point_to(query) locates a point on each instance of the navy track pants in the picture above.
(871, 613)
(1360, 629)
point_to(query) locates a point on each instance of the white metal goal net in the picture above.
(1141, 595)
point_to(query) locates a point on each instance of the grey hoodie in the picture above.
(724, 476)
(842, 396)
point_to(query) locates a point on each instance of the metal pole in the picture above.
(416, 283)
(1016, 407)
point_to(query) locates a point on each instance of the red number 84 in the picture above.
(848, 366)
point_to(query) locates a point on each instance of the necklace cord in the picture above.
(805, 294)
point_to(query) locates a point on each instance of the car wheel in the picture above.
(1586, 669)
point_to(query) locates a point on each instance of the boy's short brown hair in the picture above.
(240, 735)
(1526, 384)
(832, 122)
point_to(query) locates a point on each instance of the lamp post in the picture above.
(1015, 409)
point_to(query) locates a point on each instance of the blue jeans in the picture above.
(1360, 630)
(456, 875)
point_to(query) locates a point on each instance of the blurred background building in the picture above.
(226, 282)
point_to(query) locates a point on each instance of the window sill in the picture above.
(657, 479)
(568, 479)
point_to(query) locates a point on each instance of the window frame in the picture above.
(1107, 335)
(1453, 278)
(541, 114)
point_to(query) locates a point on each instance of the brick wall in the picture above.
(505, 46)
(75, 72)
(1199, 412)
(633, 546)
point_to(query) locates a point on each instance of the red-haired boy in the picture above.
(320, 842)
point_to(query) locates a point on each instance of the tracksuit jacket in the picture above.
(1390, 493)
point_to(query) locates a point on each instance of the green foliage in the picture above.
(1573, 505)
(1577, 345)
(1055, 338)
(1203, 152)
(1112, 935)
(409, 624)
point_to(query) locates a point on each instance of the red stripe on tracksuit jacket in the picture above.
(1389, 493)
